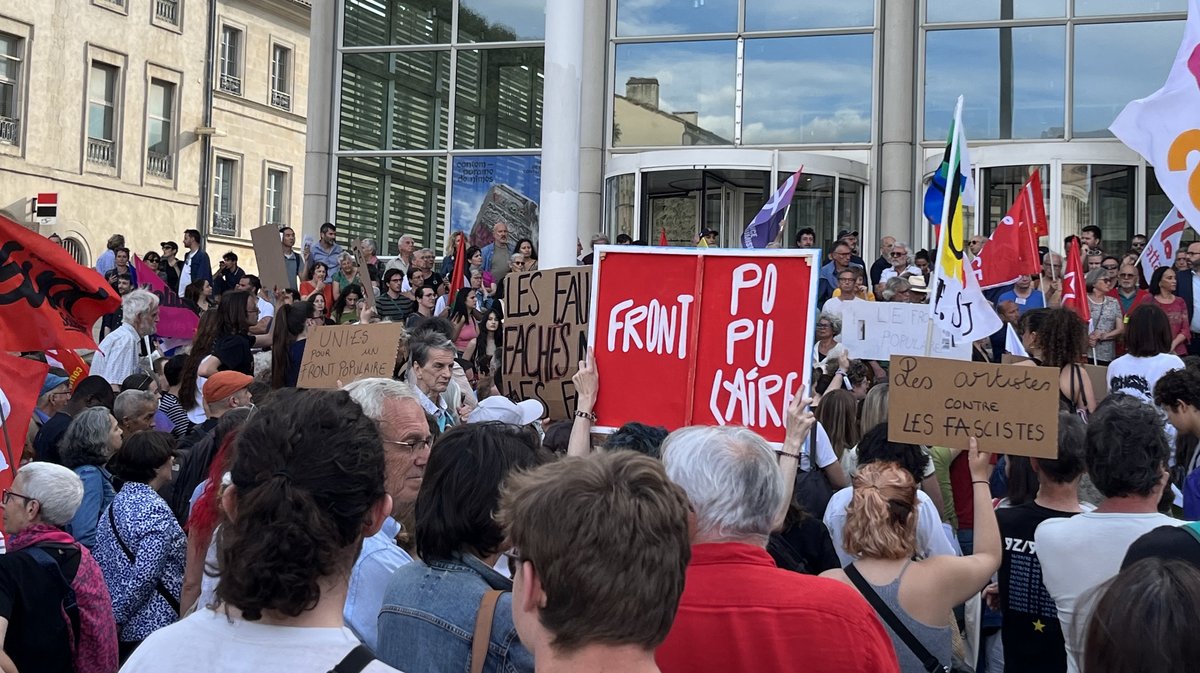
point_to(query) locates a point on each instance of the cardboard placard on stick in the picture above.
(1009, 409)
(348, 353)
(364, 275)
(268, 252)
(545, 335)
(1097, 373)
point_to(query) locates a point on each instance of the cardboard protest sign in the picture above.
(364, 274)
(545, 335)
(874, 330)
(347, 353)
(1098, 374)
(1009, 409)
(709, 337)
(268, 253)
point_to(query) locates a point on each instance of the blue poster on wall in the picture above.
(490, 189)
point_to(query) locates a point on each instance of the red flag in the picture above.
(175, 321)
(74, 365)
(460, 265)
(47, 300)
(20, 384)
(1012, 249)
(1074, 291)
(662, 238)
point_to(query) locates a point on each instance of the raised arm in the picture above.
(587, 383)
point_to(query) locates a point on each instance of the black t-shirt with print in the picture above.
(1032, 635)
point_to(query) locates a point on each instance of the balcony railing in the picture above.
(158, 165)
(10, 130)
(231, 84)
(167, 10)
(101, 152)
(225, 224)
(281, 100)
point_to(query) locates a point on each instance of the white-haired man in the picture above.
(404, 431)
(117, 357)
(37, 627)
(403, 260)
(734, 591)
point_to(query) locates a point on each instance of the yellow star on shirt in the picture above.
(1039, 626)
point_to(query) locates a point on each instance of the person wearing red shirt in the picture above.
(739, 612)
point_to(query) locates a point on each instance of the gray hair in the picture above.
(422, 251)
(835, 320)
(731, 478)
(86, 440)
(58, 489)
(367, 244)
(345, 257)
(409, 237)
(1092, 276)
(895, 286)
(598, 237)
(131, 401)
(422, 347)
(138, 303)
(370, 394)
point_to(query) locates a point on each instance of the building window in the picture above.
(158, 127)
(10, 86)
(276, 196)
(230, 80)
(102, 114)
(167, 11)
(224, 196)
(281, 68)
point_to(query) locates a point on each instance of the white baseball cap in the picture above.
(500, 408)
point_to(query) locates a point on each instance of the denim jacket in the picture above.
(98, 493)
(428, 619)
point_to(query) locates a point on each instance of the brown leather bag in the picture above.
(483, 629)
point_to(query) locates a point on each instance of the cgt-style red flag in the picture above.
(21, 382)
(460, 265)
(76, 368)
(1012, 249)
(47, 300)
(662, 238)
(1074, 290)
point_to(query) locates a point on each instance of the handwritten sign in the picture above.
(348, 353)
(545, 335)
(874, 330)
(1097, 373)
(710, 337)
(268, 254)
(1010, 409)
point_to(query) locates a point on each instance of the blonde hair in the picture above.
(881, 521)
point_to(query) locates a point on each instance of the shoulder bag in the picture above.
(812, 490)
(158, 585)
(483, 629)
(354, 661)
(930, 662)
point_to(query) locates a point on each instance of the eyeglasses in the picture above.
(13, 494)
(1126, 275)
(1106, 267)
(824, 325)
(847, 280)
(899, 254)
(411, 447)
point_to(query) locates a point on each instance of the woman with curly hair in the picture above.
(307, 485)
(1060, 339)
(881, 533)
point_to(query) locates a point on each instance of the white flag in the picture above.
(1161, 247)
(1012, 343)
(1165, 127)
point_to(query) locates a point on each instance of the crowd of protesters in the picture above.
(192, 510)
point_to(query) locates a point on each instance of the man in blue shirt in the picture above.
(1023, 295)
(326, 250)
(195, 263)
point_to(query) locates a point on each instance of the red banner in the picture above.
(707, 337)
(1074, 289)
(1012, 250)
(70, 361)
(460, 266)
(20, 384)
(175, 320)
(47, 300)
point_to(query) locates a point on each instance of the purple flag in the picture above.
(765, 226)
(175, 319)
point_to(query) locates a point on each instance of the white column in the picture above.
(561, 133)
(591, 157)
(897, 124)
(317, 151)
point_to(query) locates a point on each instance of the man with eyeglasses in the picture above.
(1188, 287)
(1138, 243)
(840, 260)
(391, 304)
(849, 285)
(1128, 295)
(405, 433)
(901, 266)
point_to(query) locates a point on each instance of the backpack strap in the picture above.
(70, 603)
(483, 629)
(930, 662)
(354, 661)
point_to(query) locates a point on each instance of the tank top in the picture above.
(936, 639)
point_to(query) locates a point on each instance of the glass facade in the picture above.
(423, 84)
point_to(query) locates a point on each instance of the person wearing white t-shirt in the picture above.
(901, 266)
(266, 310)
(932, 538)
(1148, 354)
(1126, 459)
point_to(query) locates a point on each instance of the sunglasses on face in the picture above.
(1108, 268)
(1126, 275)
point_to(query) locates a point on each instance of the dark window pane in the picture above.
(499, 99)
(376, 22)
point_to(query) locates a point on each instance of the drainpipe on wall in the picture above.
(206, 139)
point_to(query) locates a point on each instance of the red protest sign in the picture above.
(701, 337)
